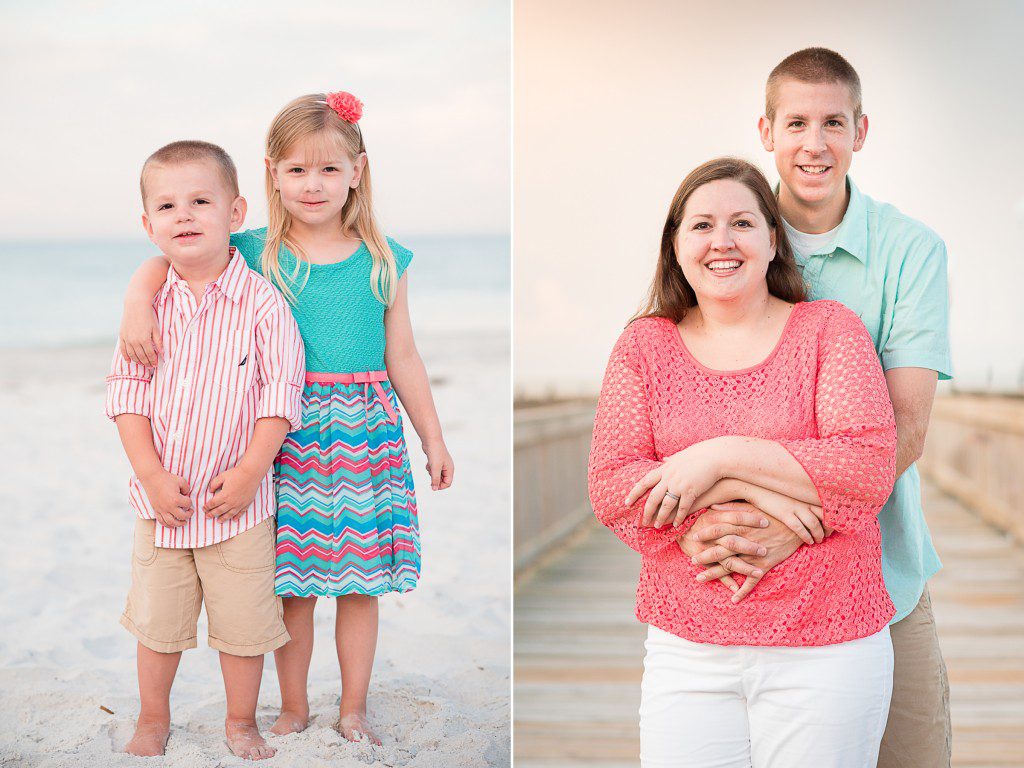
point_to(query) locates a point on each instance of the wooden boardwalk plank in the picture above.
(579, 649)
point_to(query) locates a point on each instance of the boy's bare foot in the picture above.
(244, 740)
(290, 722)
(149, 739)
(354, 727)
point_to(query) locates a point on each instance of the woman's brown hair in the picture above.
(671, 295)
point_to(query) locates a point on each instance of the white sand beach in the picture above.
(440, 694)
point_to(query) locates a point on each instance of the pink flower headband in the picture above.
(346, 106)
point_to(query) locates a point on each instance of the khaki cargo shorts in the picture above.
(234, 577)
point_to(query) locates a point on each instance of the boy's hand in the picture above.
(168, 495)
(139, 335)
(440, 465)
(231, 493)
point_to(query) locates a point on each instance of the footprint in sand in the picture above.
(120, 732)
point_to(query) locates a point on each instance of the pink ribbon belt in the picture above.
(367, 379)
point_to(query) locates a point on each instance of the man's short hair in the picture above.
(813, 65)
(190, 151)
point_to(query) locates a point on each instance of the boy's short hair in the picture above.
(189, 151)
(813, 65)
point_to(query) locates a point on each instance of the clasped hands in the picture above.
(746, 529)
(738, 538)
(230, 494)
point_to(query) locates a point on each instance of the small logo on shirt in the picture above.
(244, 361)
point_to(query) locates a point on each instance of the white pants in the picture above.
(715, 706)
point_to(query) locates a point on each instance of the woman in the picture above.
(730, 386)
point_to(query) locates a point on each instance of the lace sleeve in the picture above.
(623, 451)
(852, 462)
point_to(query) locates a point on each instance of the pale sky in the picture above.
(91, 88)
(616, 101)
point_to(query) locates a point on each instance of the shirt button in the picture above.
(184, 383)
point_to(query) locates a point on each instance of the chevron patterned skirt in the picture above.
(346, 508)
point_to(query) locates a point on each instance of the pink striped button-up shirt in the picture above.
(228, 360)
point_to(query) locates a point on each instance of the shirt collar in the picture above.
(169, 282)
(231, 281)
(852, 236)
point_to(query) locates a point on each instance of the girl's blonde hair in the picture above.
(309, 118)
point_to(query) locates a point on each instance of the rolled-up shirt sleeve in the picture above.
(128, 388)
(623, 451)
(852, 461)
(282, 364)
(919, 337)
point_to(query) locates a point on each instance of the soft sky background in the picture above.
(91, 88)
(616, 101)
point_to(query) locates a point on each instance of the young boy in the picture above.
(891, 270)
(201, 431)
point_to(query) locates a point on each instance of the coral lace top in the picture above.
(822, 395)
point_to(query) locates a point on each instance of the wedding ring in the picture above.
(671, 495)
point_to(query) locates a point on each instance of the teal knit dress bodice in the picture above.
(341, 321)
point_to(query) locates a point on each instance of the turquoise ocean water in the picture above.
(70, 293)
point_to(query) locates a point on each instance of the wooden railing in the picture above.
(552, 444)
(975, 452)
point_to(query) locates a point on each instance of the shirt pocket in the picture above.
(238, 371)
(870, 310)
(864, 293)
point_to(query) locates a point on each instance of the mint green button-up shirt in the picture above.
(891, 271)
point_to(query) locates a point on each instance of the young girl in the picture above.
(347, 524)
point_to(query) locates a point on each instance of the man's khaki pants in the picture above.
(918, 733)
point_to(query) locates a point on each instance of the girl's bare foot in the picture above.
(244, 740)
(149, 739)
(354, 727)
(290, 721)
